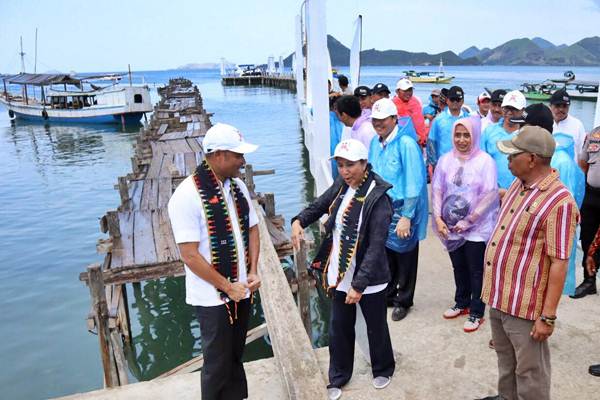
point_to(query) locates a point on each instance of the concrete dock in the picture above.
(435, 359)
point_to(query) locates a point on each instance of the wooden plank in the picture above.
(99, 305)
(122, 253)
(149, 195)
(303, 287)
(163, 128)
(156, 164)
(166, 249)
(194, 144)
(190, 163)
(167, 166)
(197, 362)
(165, 190)
(133, 274)
(143, 238)
(292, 348)
(120, 360)
(179, 162)
(135, 196)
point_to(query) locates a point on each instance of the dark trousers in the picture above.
(590, 221)
(403, 269)
(467, 262)
(342, 337)
(223, 376)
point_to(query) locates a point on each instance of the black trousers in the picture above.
(403, 268)
(590, 221)
(223, 376)
(467, 262)
(342, 337)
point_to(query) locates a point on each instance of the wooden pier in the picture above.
(277, 81)
(141, 247)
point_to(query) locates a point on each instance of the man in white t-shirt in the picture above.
(215, 227)
(566, 123)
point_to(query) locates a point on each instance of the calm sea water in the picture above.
(57, 180)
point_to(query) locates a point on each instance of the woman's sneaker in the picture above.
(334, 393)
(472, 324)
(454, 312)
(380, 382)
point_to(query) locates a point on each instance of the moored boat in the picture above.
(428, 76)
(80, 100)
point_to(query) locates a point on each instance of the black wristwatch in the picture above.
(548, 320)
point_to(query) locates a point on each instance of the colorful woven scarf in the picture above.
(349, 233)
(223, 249)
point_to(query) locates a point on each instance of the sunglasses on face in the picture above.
(455, 100)
(509, 109)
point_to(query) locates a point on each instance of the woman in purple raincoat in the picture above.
(465, 206)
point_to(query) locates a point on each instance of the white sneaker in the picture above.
(334, 393)
(379, 382)
(472, 324)
(454, 312)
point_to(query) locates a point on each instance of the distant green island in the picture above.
(525, 51)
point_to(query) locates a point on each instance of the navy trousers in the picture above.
(467, 262)
(403, 269)
(342, 337)
(223, 376)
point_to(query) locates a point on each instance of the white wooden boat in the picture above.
(65, 98)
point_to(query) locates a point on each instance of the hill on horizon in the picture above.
(522, 51)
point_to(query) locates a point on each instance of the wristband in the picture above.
(548, 320)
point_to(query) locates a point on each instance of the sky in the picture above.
(86, 36)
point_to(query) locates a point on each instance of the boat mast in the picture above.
(35, 59)
(22, 57)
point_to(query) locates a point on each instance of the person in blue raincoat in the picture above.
(335, 132)
(574, 179)
(570, 174)
(398, 159)
(513, 104)
(439, 140)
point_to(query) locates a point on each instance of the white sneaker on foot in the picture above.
(454, 312)
(472, 324)
(334, 393)
(379, 382)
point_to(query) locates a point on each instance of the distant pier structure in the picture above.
(277, 81)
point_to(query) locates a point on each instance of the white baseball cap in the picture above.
(404, 84)
(514, 99)
(351, 150)
(484, 95)
(226, 137)
(383, 108)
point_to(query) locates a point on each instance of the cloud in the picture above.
(596, 4)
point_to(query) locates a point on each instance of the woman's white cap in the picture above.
(351, 150)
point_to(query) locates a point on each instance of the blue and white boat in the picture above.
(66, 98)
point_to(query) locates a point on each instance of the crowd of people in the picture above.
(510, 183)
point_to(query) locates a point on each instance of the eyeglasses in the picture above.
(455, 100)
(510, 109)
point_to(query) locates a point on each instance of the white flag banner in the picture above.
(299, 62)
(597, 117)
(355, 53)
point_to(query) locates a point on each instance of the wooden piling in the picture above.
(100, 308)
(303, 295)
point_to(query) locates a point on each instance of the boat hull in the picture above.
(128, 118)
(447, 79)
(536, 96)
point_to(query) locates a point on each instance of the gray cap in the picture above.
(530, 139)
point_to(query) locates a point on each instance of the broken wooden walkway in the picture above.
(140, 244)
